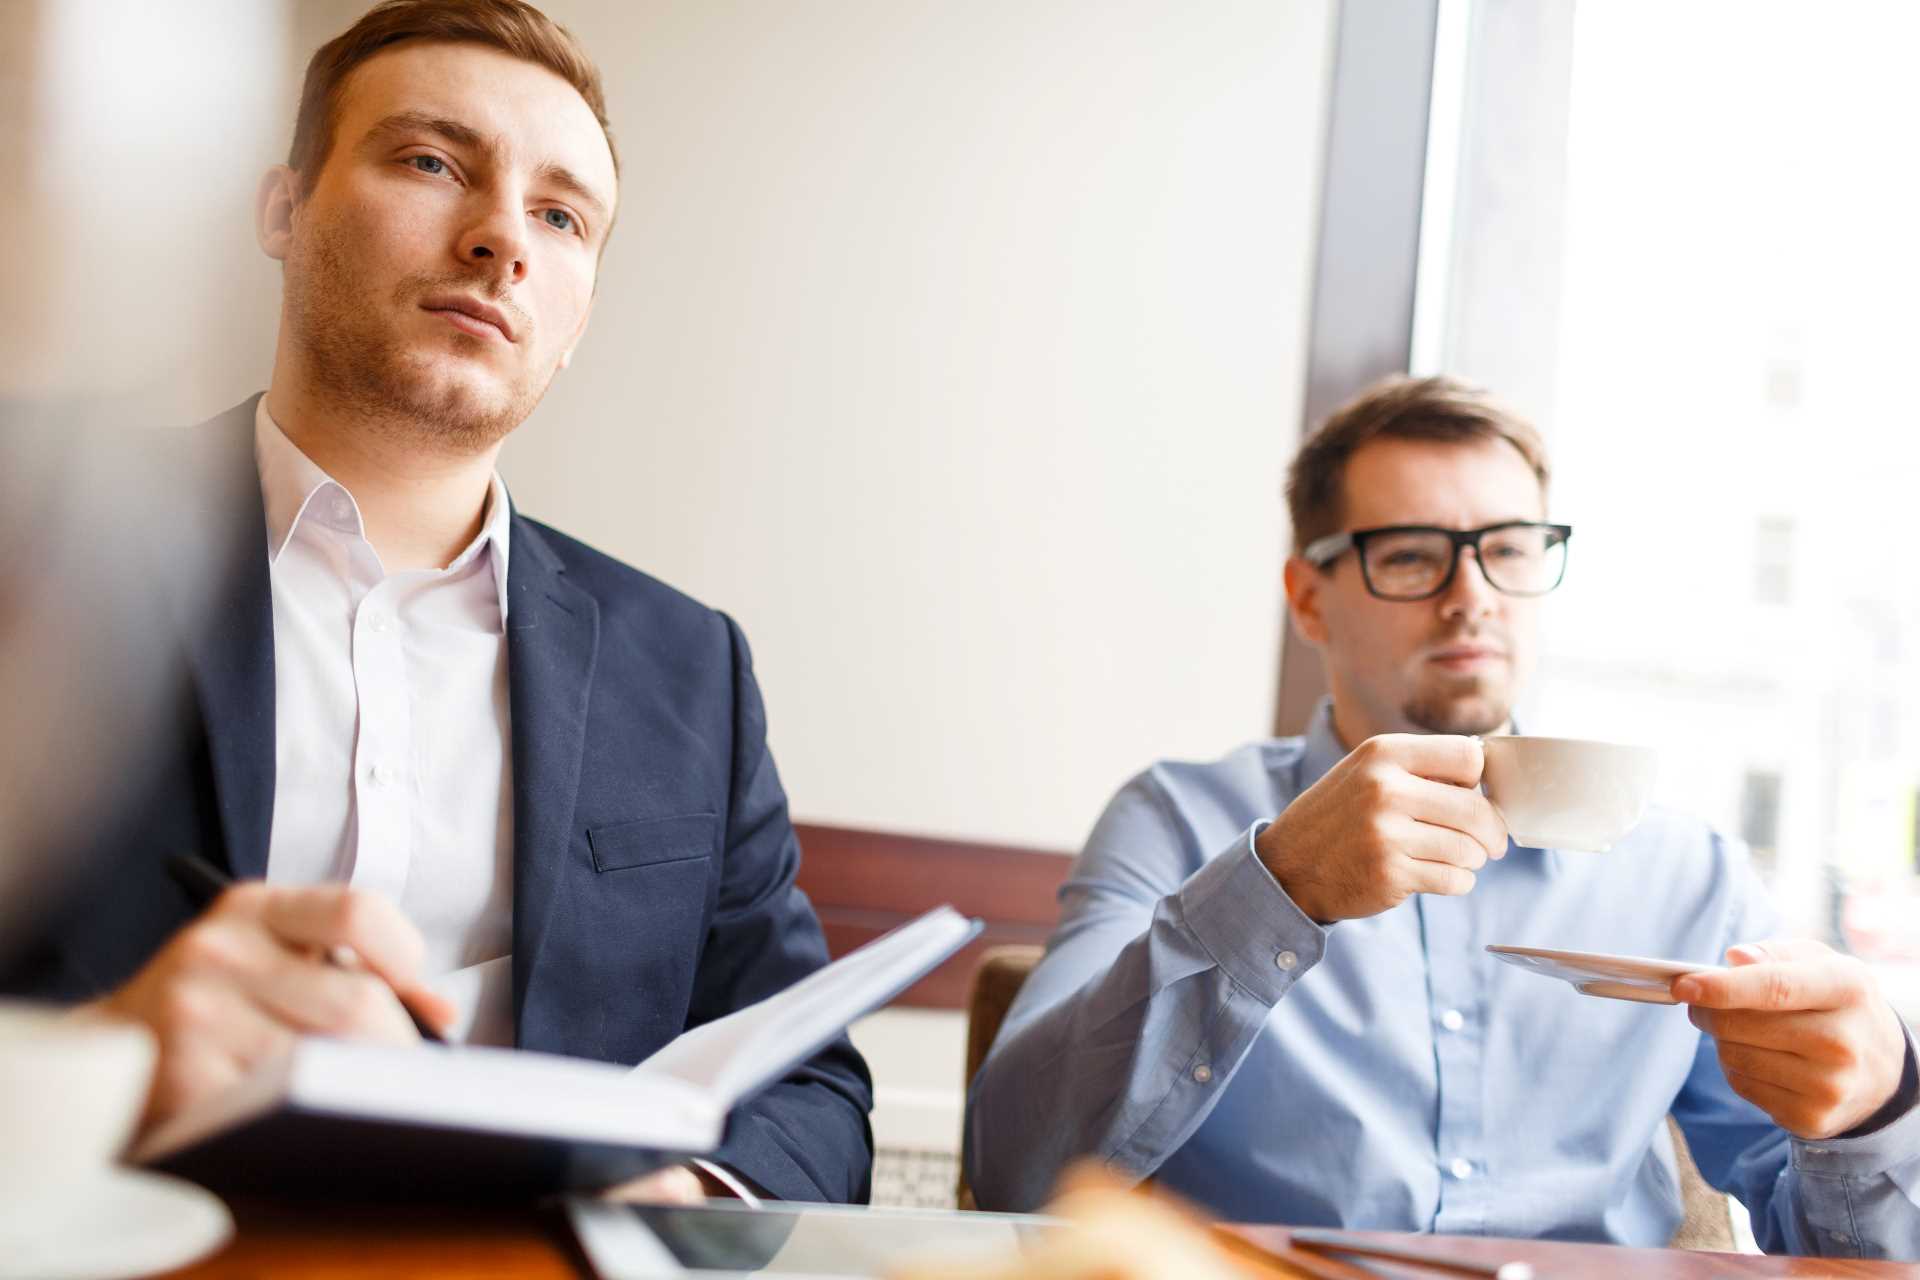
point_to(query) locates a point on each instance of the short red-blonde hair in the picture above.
(511, 26)
(1400, 408)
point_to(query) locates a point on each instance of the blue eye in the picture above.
(428, 164)
(558, 219)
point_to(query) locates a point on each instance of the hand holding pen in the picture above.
(264, 965)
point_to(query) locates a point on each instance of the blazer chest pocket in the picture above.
(652, 842)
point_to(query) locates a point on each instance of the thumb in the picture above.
(1777, 949)
(438, 1010)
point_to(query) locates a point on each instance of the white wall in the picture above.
(956, 349)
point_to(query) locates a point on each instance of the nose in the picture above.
(496, 242)
(1469, 595)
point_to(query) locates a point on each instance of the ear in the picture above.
(1304, 585)
(566, 355)
(273, 209)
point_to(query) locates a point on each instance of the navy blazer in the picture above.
(654, 860)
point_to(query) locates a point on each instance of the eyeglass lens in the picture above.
(1523, 560)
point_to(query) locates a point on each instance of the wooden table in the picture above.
(307, 1241)
(1559, 1260)
(312, 1241)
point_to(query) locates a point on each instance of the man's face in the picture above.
(440, 266)
(1451, 664)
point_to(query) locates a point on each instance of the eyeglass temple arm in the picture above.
(1321, 551)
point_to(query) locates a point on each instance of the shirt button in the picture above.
(1461, 1168)
(378, 622)
(1286, 960)
(385, 775)
(1203, 1074)
(1452, 1020)
(343, 509)
(1841, 1237)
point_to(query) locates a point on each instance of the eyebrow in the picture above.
(463, 135)
(558, 175)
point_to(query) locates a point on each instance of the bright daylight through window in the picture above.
(1733, 428)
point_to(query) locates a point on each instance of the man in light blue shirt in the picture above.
(1269, 989)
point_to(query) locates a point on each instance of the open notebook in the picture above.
(437, 1120)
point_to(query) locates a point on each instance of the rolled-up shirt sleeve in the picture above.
(1164, 967)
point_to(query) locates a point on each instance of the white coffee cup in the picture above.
(71, 1091)
(1563, 793)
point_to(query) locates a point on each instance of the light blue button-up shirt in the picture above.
(1191, 1024)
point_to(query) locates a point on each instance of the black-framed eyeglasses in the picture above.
(1407, 562)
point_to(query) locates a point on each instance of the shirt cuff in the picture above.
(1894, 1140)
(733, 1182)
(1248, 924)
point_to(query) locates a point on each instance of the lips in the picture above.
(1466, 657)
(471, 315)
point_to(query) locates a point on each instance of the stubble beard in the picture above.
(365, 371)
(1472, 704)
(1479, 711)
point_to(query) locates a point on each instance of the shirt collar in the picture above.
(1321, 749)
(294, 489)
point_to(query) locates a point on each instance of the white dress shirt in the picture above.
(394, 767)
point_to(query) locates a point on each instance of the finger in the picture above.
(1426, 843)
(1770, 1066)
(1794, 1031)
(185, 1076)
(1439, 877)
(1438, 757)
(436, 1010)
(312, 995)
(210, 1035)
(327, 916)
(1779, 1103)
(1462, 809)
(675, 1184)
(1779, 949)
(1803, 1115)
(294, 986)
(1794, 984)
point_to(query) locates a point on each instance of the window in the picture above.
(1760, 815)
(1715, 332)
(1773, 560)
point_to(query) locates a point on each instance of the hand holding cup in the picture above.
(1402, 814)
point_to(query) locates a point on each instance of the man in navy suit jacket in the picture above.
(424, 727)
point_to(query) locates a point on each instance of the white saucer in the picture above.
(126, 1222)
(1597, 974)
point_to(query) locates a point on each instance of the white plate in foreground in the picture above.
(122, 1222)
(1640, 978)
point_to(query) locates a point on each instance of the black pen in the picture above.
(204, 882)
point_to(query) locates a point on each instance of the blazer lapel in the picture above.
(553, 634)
(232, 655)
